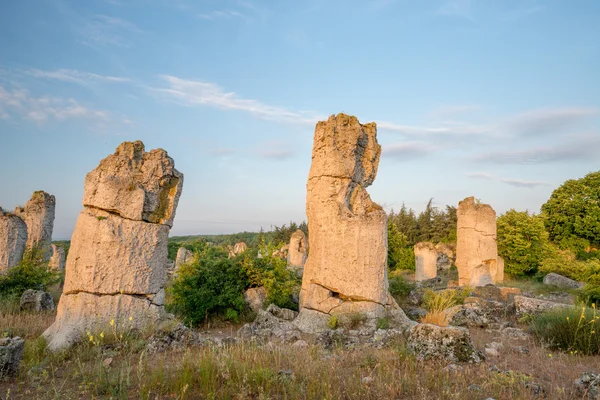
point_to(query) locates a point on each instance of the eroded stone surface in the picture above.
(256, 298)
(450, 343)
(57, 261)
(297, 250)
(561, 281)
(36, 300)
(426, 257)
(13, 239)
(184, 256)
(446, 255)
(135, 184)
(38, 215)
(11, 353)
(237, 249)
(530, 306)
(476, 248)
(116, 268)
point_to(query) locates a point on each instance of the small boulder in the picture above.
(451, 343)
(36, 300)
(588, 383)
(11, 353)
(561, 281)
(530, 306)
(256, 297)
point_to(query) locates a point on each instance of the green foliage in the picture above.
(442, 300)
(576, 330)
(281, 284)
(30, 273)
(282, 234)
(523, 242)
(383, 323)
(432, 224)
(398, 286)
(196, 245)
(333, 322)
(213, 285)
(572, 214)
(65, 244)
(563, 262)
(400, 255)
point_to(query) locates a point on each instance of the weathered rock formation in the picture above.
(13, 239)
(297, 250)
(256, 298)
(116, 264)
(11, 353)
(476, 248)
(425, 261)
(346, 270)
(449, 343)
(238, 248)
(36, 300)
(57, 261)
(561, 281)
(183, 256)
(445, 257)
(38, 215)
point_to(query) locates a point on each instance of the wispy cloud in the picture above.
(548, 121)
(450, 128)
(74, 76)
(19, 102)
(222, 151)
(198, 93)
(508, 181)
(585, 147)
(107, 30)
(221, 14)
(407, 150)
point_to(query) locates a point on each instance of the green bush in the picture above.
(30, 273)
(212, 286)
(401, 255)
(398, 286)
(572, 329)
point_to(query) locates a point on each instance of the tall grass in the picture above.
(436, 303)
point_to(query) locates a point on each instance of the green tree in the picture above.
(522, 242)
(400, 254)
(572, 214)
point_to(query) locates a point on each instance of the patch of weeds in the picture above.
(356, 320)
(333, 322)
(100, 218)
(383, 323)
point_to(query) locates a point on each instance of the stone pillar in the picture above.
(183, 256)
(13, 239)
(445, 256)
(425, 261)
(346, 270)
(498, 274)
(476, 248)
(38, 215)
(57, 261)
(297, 250)
(116, 267)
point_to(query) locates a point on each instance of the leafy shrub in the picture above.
(563, 262)
(401, 255)
(30, 273)
(572, 329)
(398, 286)
(522, 241)
(333, 322)
(213, 285)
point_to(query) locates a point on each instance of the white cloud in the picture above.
(74, 76)
(508, 181)
(198, 93)
(41, 109)
(221, 14)
(407, 150)
(106, 30)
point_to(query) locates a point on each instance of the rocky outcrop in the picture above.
(445, 256)
(561, 281)
(256, 298)
(36, 300)
(530, 306)
(57, 261)
(346, 270)
(184, 256)
(13, 239)
(116, 267)
(587, 386)
(11, 353)
(476, 248)
(425, 261)
(38, 215)
(237, 249)
(297, 254)
(450, 343)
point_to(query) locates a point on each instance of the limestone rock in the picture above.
(57, 261)
(450, 343)
(184, 256)
(38, 215)
(282, 252)
(476, 248)
(498, 272)
(256, 298)
(11, 353)
(272, 322)
(530, 306)
(445, 256)
(111, 255)
(588, 384)
(425, 261)
(13, 239)
(36, 300)
(116, 267)
(135, 184)
(297, 250)
(561, 281)
(348, 232)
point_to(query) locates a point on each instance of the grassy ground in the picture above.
(120, 369)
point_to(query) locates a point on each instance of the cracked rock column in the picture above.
(116, 264)
(425, 261)
(38, 215)
(297, 248)
(346, 270)
(13, 239)
(476, 248)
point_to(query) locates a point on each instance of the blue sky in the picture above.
(496, 99)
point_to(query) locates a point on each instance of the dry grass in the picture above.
(248, 371)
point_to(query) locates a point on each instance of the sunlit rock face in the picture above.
(426, 257)
(476, 248)
(297, 250)
(116, 267)
(38, 214)
(57, 261)
(346, 270)
(13, 239)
